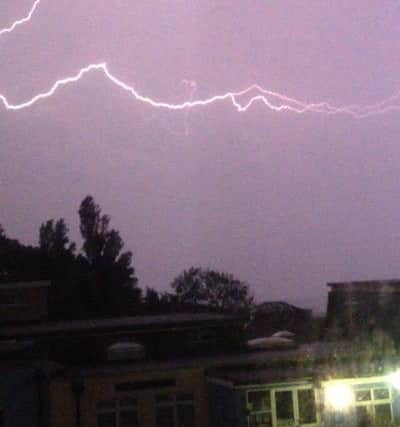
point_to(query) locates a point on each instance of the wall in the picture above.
(99, 387)
(23, 399)
(226, 407)
(23, 304)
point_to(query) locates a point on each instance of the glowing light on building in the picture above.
(394, 380)
(339, 396)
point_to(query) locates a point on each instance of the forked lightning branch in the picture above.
(241, 100)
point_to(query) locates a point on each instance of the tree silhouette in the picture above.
(56, 250)
(111, 288)
(17, 261)
(53, 238)
(59, 264)
(217, 290)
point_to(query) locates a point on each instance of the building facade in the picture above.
(24, 302)
(362, 306)
(195, 370)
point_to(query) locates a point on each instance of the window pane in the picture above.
(165, 416)
(261, 420)
(381, 393)
(128, 419)
(307, 408)
(182, 397)
(128, 401)
(362, 417)
(383, 415)
(107, 419)
(259, 400)
(106, 404)
(164, 398)
(363, 395)
(186, 416)
(284, 405)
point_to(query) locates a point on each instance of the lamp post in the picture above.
(77, 388)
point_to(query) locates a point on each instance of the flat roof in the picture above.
(365, 284)
(176, 320)
(254, 377)
(23, 285)
(250, 367)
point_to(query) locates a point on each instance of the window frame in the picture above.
(261, 411)
(174, 403)
(373, 402)
(273, 389)
(116, 407)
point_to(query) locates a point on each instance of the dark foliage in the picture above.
(220, 291)
(109, 285)
(56, 250)
(99, 282)
(18, 262)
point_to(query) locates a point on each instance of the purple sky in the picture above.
(286, 202)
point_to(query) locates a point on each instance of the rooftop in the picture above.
(25, 285)
(170, 321)
(366, 285)
(237, 368)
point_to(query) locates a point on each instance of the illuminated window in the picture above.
(175, 410)
(381, 393)
(373, 405)
(117, 413)
(259, 405)
(363, 395)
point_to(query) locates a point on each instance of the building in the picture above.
(195, 370)
(24, 302)
(313, 386)
(270, 317)
(362, 306)
(148, 371)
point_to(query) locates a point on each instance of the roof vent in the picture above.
(271, 343)
(126, 351)
(284, 334)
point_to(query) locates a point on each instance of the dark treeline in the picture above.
(99, 280)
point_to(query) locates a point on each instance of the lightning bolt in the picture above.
(241, 100)
(21, 21)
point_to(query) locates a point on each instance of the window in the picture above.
(307, 406)
(281, 407)
(362, 416)
(259, 400)
(373, 405)
(381, 393)
(117, 413)
(175, 410)
(284, 405)
(259, 405)
(145, 385)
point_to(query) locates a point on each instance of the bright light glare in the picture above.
(394, 379)
(339, 396)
